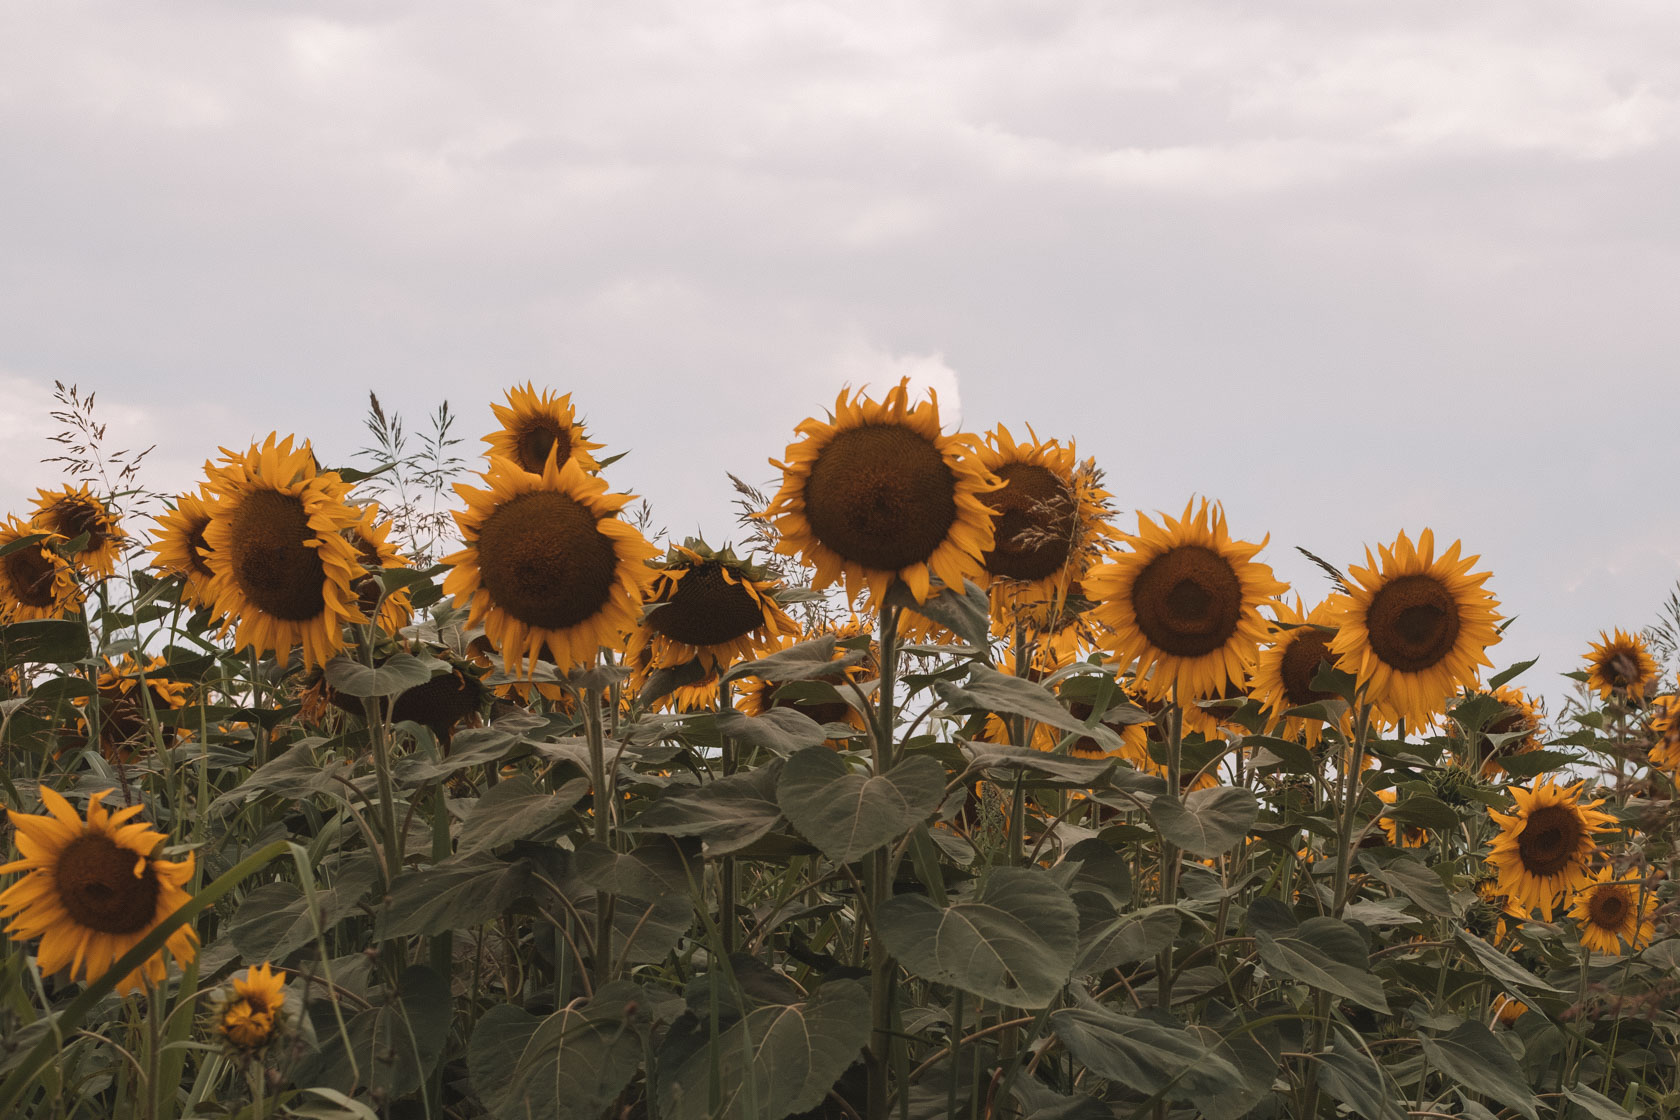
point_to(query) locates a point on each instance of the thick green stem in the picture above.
(878, 880)
(1170, 855)
(603, 799)
(727, 886)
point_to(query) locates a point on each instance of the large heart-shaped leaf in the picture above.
(727, 815)
(1324, 953)
(570, 1065)
(846, 812)
(1208, 822)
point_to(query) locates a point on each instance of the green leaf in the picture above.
(991, 691)
(1324, 953)
(663, 682)
(1423, 811)
(273, 920)
(968, 615)
(727, 815)
(1286, 754)
(569, 1065)
(776, 1061)
(1144, 1055)
(1507, 675)
(1528, 764)
(399, 673)
(813, 660)
(1476, 1059)
(1352, 1078)
(846, 812)
(459, 894)
(471, 747)
(392, 1046)
(1015, 943)
(1208, 822)
(1408, 875)
(1126, 938)
(18, 544)
(1597, 1104)
(780, 731)
(1512, 974)
(43, 641)
(1081, 772)
(515, 809)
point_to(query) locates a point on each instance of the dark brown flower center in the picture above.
(198, 548)
(1188, 601)
(1308, 647)
(818, 711)
(1550, 839)
(881, 496)
(98, 887)
(273, 566)
(1621, 667)
(1035, 523)
(75, 516)
(1608, 908)
(1085, 746)
(544, 561)
(536, 439)
(440, 703)
(1413, 623)
(706, 609)
(30, 575)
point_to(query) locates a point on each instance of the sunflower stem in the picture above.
(591, 704)
(726, 867)
(387, 790)
(1169, 852)
(882, 967)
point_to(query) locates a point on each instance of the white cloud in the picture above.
(861, 365)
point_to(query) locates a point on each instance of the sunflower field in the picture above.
(436, 788)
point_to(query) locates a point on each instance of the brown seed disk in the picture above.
(707, 610)
(533, 442)
(1549, 840)
(1034, 526)
(1608, 908)
(198, 548)
(1413, 622)
(271, 564)
(1188, 601)
(97, 885)
(75, 516)
(30, 574)
(881, 496)
(1308, 648)
(544, 561)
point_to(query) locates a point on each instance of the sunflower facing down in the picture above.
(370, 536)
(35, 581)
(876, 493)
(92, 890)
(537, 425)
(125, 689)
(247, 1010)
(1399, 835)
(1620, 662)
(1521, 717)
(709, 606)
(282, 566)
(1286, 668)
(1665, 734)
(1184, 602)
(1051, 516)
(71, 512)
(1414, 628)
(1544, 848)
(1613, 912)
(179, 547)
(548, 563)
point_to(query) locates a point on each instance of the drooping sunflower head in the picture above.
(536, 426)
(1287, 666)
(1400, 835)
(1518, 729)
(249, 1011)
(35, 581)
(72, 512)
(548, 563)
(1183, 601)
(708, 605)
(1664, 727)
(1051, 513)
(1545, 846)
(1414, 628)
(877, 493)
(126, 688)
(1620, 663)
(1614, 911)
(371, 538)
(92, 889)
(179, 547)
(282, 566)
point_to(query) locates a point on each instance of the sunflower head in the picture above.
(537, 426)
(249, 1011)
(1400, 835)
(371, 538)
(1286, 667)
(1620, 664)
(179, 547)
(126, 687)
(1051, 513)
(1184, 601)
(1414, 628)
(91, 890)
(35, 581)
(1664, 727)
(1545, 845)
(548, 563)
(1614, 911)
(1520, 717)
(877, 493)
(709, 605)
(73, 512)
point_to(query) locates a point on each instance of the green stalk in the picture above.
(1170, 855)
(603, 829)
(878, 881)
(727, 886)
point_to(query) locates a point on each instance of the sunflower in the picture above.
(548, 563)
(1399, 835)
(708, 606)
(1544, 848)
(877, 493)
(70, 512)
(282, 566)
(180, 547)
(1619, 662)
(1051, 515)
(1613, 911)
(1521, 716)
(1414, 628)
(1507, 1010)
(536, 426)
(1286, 667)
(247, 1010)
(93, 890)
(35, 581)
(1665, 734)
(1184, 602)
(122, 712)
(370, 536)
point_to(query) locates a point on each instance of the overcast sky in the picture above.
(1348, 267)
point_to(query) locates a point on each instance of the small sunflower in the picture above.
(1059, 624)
(1665, 734)
(180, 547)
(1620, 662)
(548, 563)
(92, 890)
(1544, 848)
(282, 566)
(122, 714)
(70, 512)
(1614, 911)
(247, 1011)
(1051, 515)
(537, 425)
(1414, 628)
(709, 606)
(1522, 716)
(1399, 835)
(35, 581)
(1507, 1010)
(1184, 602)
(877, 493)
(1286, 668)
(371, 538)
